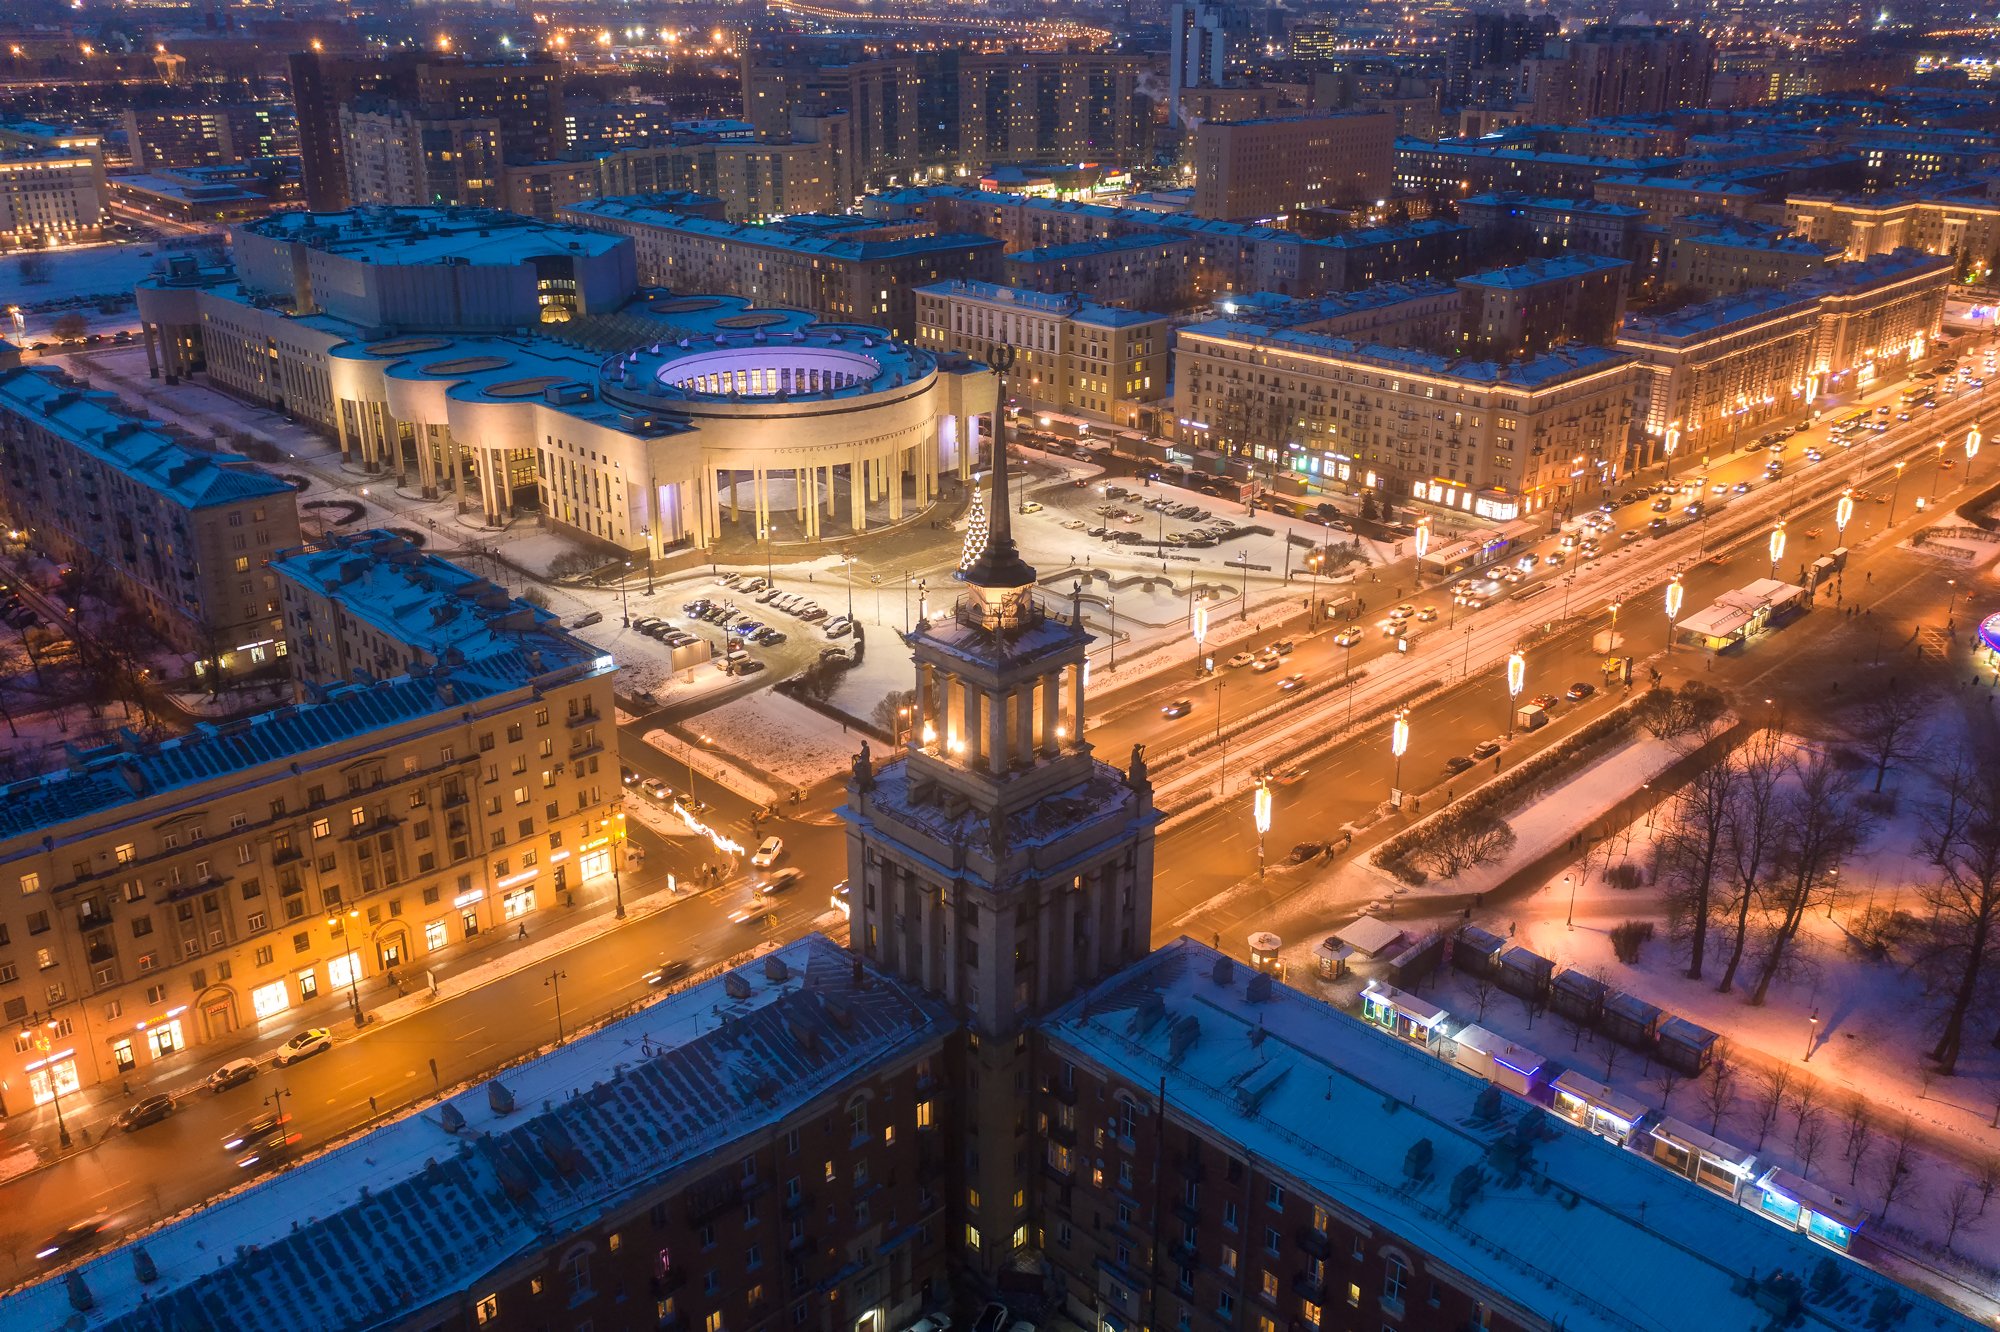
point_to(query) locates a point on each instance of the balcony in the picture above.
(1067, 1095)
(668, 1282)
(582, 719)
(1315, 1242)
(1309, 1290)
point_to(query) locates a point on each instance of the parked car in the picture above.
(312, 1041)
(1579, 691)
(232, 1074)
(1456, 764)
(1486, 749)
(146, 1110)
(768, 852)
(1239, 661)
(587, 619)
(993, 1318)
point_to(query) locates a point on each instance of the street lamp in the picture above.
(353, 962)
(1198, 617)
(1972, 442)
(1517, 675)
(625, 605)
(1569, 882)
(1843, 513)
(767, 535)
(1423, 543)
(43, 1039)
(646, 535)
(1674, 594)
(1673, 442)
(1262, 809)
(1399, 740)
(1937, 473)
(1812, 1033)
(847, 562)
(1894, 492)
(554, 981)
(618, 868)
(1777, 545)
(690, 757)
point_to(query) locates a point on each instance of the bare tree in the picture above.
(1458, 842)
(1754, 836)
(1962, 834)
(1811, 1137)
(1574, 1030)
(1886, 728)
(1612, 1050)
(1671, 714)
(1860, 1135)
(1896, 1171)
(1772, 1084)
(1718, 1084)
(34, 268)
(1667, 1079)
(1819, 827)
(1804, 1102)
(1958, 1211)
(70, 326)
(1693, 844)
(1482, 995)
(1989, 1179)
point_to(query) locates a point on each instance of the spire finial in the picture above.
(999, 563)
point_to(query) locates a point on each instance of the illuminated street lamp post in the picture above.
(1262, 810)
(646, 535)
(1399, 740)
(1673, 442)
(1843, 514)
(1198, 619)
(1937, 473)
(554, 981)
(1517, 675)
(1972, 442)
(1777, 545)
(618, 868)
(624, 601)
(1423, 544)
(1569, 882)
(353, 962)
(43, 1039)
(1674, 594)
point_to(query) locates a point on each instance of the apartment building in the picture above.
(185, 136)
(183, 535)
(1532, 224)
(1480, 437)
(394, 155)
(1146, 270)
(50, 196)
(1715, 369)
(1962, 224)
(1072, 354)
(1532, 307)
(173, 896)
(833, 272)
(1275, 166)
(1722, 263)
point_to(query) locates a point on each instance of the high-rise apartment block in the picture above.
(523, 96)
(1271, 168)
(184, 136)
(1619, 71)
(1533, 307)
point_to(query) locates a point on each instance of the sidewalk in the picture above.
(500, 953)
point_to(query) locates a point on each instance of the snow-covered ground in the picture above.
(1867, 1019)
(786, 739)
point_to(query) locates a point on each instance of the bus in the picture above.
(1849, 424)
(1916, 393)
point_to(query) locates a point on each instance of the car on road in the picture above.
(1554, 557)
(781, 881)
(1263, 664)
(267, 1151)
(587, 619)
(1291, 682)
(1456, 764)
(1180, 707)
(1740, 488)
(1290, 776)
(1347, 638)
(1545, 700)
(146, 1110)
(768, 852)
(754, 914)
(251, 1130)
(1403, 612)
(1239, 661)
(656, 788)
(1395, 629)
(1427, 613)
(70, 1239)
(1486, 749)
(311, 1041)
(1629, 534)
(232, 1074)
(668, 971)
(1508, 576)
(1281, 648)
(1657, 526)
(1719, 488)
(1662, 504)
(1579, 691)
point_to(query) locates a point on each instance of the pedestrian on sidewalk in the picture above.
(524, 931)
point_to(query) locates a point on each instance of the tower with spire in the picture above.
(993, 860)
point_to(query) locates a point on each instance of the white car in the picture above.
(768, 852)
(317, 1040)
(1347, 638)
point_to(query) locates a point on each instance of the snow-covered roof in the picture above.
(1370, 936)
(411, 1215)
(1589, 1237)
